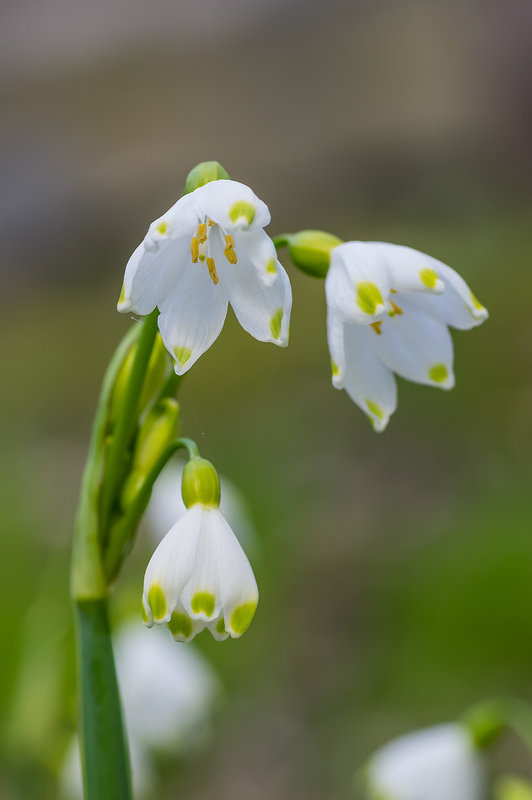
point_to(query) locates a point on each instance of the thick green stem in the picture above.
(104, 755)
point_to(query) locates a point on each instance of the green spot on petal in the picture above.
(145, 617)
(374, 409)
(429, 277)
(241, 617)
(203, 602)
(220, 626)
(275, 323)
(242, 209)
(157, 601)
(271, 266)
(162, 227)
(438, 373)
(180, 625)
(335, 369)
(368, 297)
(122, 294)
(478, 305)
(182, 355)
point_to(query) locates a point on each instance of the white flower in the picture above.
(207, 250)
(199, 577)
(166, 506)
(168, 696)
(388, 308)
(438, 763)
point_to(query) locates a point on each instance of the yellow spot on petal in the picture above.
(275, 323)
(182, 354)
(212, 270)
(374, 409)
(162, 227)
(429, 277)
(368, 297)
(203, 602)
(271, 266)
(376, 326)
(241, 618)
(335, 369)
(180, 625)
(194, 250)
(242, 209)
(477, 304)
(122, 294)
(438, 373)
(157, 602)
(201, 233)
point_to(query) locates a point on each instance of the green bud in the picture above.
(485, 723)
(200, 483)
(204, 173)
(310, 251)
(156, 371)
(157, 431)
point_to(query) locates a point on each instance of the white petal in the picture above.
(238, 586)
(171, 566)
(410, 270)
(335, 337)
(147, 277)
(260, 250)
(201, 596)
(417, 346)
(181, 220)
(368, 382)
(263, 311)
(192, 315)
(357, 284)
(458, 306)
(232, 205)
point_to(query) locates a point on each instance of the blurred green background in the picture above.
(394, 570)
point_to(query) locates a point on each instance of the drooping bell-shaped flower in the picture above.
(439, 763)
(208, 250)
(199, 576)
(388, 311)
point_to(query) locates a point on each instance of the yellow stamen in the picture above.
(229, 251)
(202, 232)
(211, 222)
(194, 249)
(212, 270)
(393, 291)
(377, 327)
(395, 308)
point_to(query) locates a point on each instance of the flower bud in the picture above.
(311, 251)
(203, 173)
(158, 430)
(155, 373)
(200, 484)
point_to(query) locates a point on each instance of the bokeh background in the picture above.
(395, 570)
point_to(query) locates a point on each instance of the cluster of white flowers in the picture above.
(389, 306)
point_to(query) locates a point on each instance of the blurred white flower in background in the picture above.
(438, 763)
(168, 695)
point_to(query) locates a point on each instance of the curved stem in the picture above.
(281, 240)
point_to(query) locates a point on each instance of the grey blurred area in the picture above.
(106, 105)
